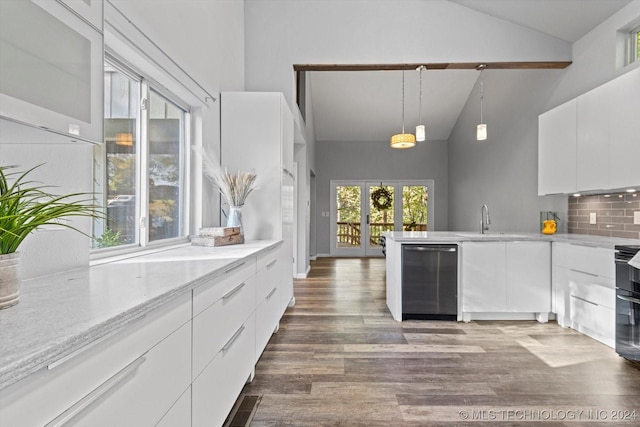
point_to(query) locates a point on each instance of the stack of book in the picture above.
(218, 236)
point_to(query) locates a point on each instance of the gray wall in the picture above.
(376, 161)
(501, 172)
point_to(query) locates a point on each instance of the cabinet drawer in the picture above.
(68, 381)
(269, 268)
(582, 287)
(595, 261)
(217, 388)
(180, 412)
(594, 320)
(214, 326)
(145, 390)
(267, 317)
(220, 285)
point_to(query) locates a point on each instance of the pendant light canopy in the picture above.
(420, 129)
(403, 140)
(481, 129)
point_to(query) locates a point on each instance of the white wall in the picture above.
(502, 171)
(207, 39)
(377, 162)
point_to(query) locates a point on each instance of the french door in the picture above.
(362, 210)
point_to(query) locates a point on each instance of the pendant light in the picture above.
(481, 129)
(403, 140)
(420, 130)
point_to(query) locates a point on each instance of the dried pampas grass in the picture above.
(234, 187)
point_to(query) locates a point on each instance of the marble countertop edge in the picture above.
(17, 367)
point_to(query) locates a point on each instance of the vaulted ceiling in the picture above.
(367, 105)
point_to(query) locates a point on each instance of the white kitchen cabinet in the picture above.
(257, 134)
(217, 388)
(506, 277)
(584, 290)
(180, 412)
(557, 149)
(484, 282)
(147, 363)
(52, 67)
(592, 147)
(91, 10)
(625, 130)
(528, 277)
(269, 307)
(591, 142)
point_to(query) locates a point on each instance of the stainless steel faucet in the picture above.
(484, 223)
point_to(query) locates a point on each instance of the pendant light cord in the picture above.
(481, 95)
(420, 100)
(402, 101)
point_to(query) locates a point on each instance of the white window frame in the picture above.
(142, 173)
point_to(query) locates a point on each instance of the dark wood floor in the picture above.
(339, 359)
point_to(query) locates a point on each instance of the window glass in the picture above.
(139, 170)
(166, 122)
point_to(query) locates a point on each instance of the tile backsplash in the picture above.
(613, 215)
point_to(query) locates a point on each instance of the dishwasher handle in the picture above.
(428, 249)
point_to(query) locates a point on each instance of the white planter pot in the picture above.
(9, 279)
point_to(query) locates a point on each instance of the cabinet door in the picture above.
(557, 150)
(529, 277)
(625, 130)
(592, 148)
(561, 300)
(51, 70)
(180, 412)
(484, 286)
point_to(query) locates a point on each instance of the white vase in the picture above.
(234, 219)
(10, 280)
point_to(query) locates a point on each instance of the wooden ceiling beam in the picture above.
(528, 65)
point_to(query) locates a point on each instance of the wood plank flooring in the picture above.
(339, 359)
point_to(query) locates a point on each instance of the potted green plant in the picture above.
(25, 206)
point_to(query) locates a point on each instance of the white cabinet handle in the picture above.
(272, 263)
(233, 291)
(583, 272)
(273, 291)
(93, 397)
(233, 268)
(233, 339)
(584, 300)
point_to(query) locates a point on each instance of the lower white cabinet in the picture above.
(506, 277)
(184, 364)
(131, 378)
(180, 412)
(217, 388)
(584, 290)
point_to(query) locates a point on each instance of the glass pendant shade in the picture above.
(403, 140)
(420, 133)
(481, 132)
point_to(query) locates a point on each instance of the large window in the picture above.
(139, 172)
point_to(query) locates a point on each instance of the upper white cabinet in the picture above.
(557, 150)
(52, 66)
(257, 134)
(593, 141)
(91, 10)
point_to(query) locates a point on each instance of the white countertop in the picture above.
(450, 237)
(61, 313)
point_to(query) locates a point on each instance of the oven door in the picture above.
(628, 324)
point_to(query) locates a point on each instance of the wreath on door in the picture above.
(382, 199)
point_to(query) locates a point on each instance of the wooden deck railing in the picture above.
(349, 234)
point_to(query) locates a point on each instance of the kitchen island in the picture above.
(520, 276)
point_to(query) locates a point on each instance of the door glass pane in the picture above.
(414, 207)
(115, 163)
(166, 124)
(381, 213)
(348, 216)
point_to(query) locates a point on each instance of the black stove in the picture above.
(627, 303)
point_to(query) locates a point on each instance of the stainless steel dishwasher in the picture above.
(430, 282)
